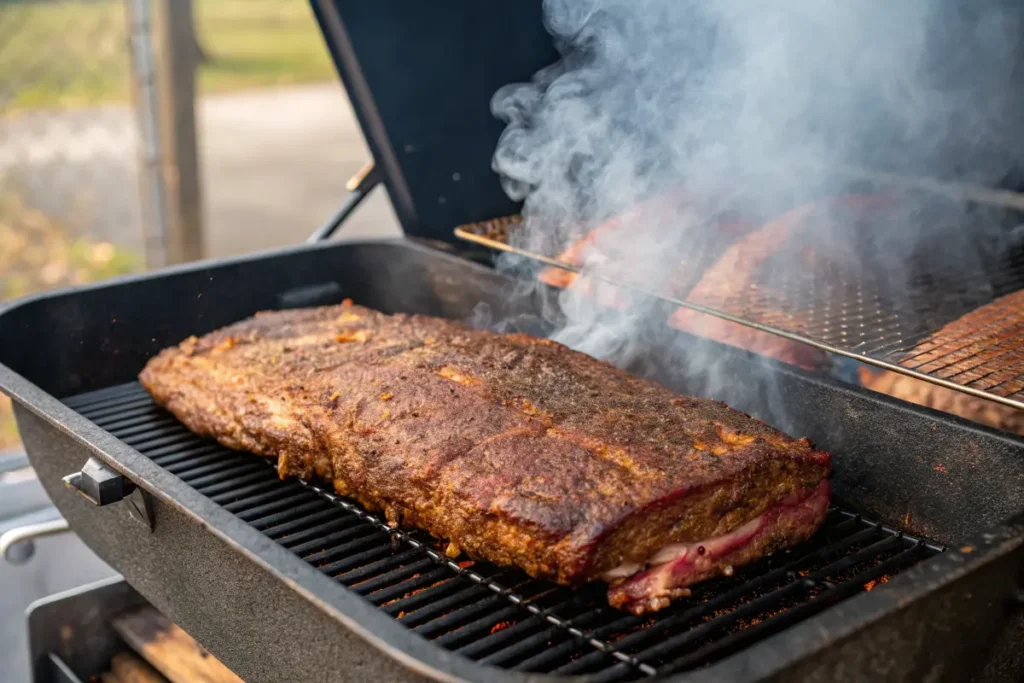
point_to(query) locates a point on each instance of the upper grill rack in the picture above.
(856, 312)
(501, 617)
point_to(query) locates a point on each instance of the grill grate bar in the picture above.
(258, 503)
(549, 658)
(413, 602)
(376, 552)
(276, 518)
(885, 545)
(211, 469)
(168, 427)
(348, 533)
(473, 576)
(454, 638)
(502, 617)
(357, 578)
(120, 407)
(500, 638)
(776, 623)
(211, 461)
(517, 655)
(439, 607)
(172, 454)
(103, 397)
(579, 613)
(310, 527)
(163, 438)
(145, 418)
(366, 536)
(510, 655)
(464, 623)
(222, 495)
(236, 470)
(413, 583)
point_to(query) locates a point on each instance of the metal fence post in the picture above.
(165, 61)
(144, 99)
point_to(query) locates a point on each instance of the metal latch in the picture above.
(99, 483)
(103, 486)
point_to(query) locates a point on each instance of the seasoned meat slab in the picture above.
(965, 351)
(514, 449)
(967, 347)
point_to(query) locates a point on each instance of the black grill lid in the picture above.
(420, 76)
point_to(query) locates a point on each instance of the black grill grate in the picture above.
(497, 616)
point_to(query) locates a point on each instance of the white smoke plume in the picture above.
(755, 106)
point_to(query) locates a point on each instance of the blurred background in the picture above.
(139, 133)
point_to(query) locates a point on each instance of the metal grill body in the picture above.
(499, 616)
(268, 575)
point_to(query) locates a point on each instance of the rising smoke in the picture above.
(751, 105)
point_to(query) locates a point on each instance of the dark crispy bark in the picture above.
(516, 449)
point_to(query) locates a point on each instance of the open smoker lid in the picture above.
(420, 76)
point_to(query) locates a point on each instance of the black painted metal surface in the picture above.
(70, 636)
(269, 615)
(420, 77)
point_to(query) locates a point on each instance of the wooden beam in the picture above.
(127, 668)
(170, 650)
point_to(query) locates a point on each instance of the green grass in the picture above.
(256, 43)
(73, 53)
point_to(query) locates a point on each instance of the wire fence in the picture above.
(68, 156)
(76, 165)
(73, 115)
(69, 200)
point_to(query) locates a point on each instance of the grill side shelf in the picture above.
(498, 616)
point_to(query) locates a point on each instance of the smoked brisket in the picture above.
(511, 448)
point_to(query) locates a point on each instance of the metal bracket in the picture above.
(17, 545)
(140, 508)
(359, 186)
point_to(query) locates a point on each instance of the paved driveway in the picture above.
(274, 166)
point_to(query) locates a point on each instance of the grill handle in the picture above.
(359, 186)
(17, 545)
